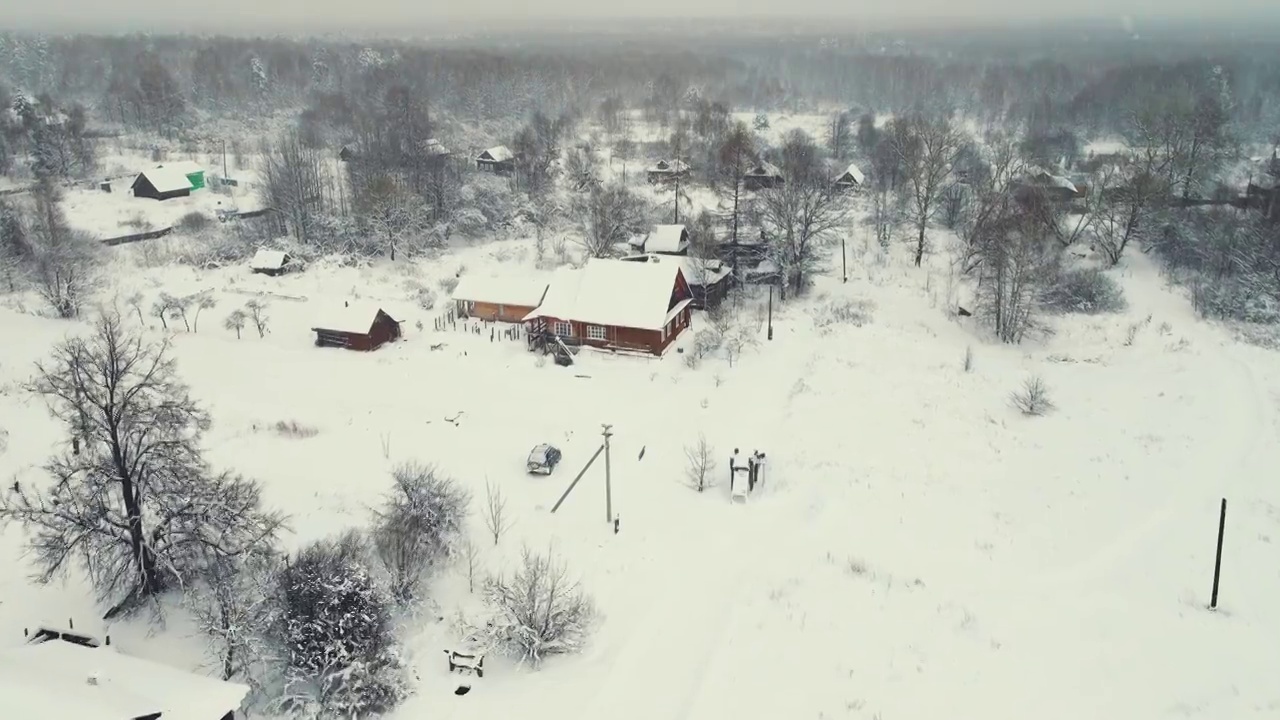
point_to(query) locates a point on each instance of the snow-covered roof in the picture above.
(434, 148)
(353, 317)
(526, 291)
(697, 271)
(186, 167)
(166, 180)
(500, 153)
(853, 173)
(266, 259)
(1048, 179)
(612, 292)
(666, 239)
(669, 166)
(765, 170)
(57, 680)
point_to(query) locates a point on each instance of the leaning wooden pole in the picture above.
(584, 470)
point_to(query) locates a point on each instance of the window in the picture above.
(596, 332)
(563, 329)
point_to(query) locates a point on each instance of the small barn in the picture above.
(434, 150)
(499, 160)
(852, 178)
(346, 154)
(667, 171)
(161, 184)
(667, 240)
(762, 176)
(59, 679)
(270, 262)
(498, 298)
(191, 170)
(356, 326)
(614, 305)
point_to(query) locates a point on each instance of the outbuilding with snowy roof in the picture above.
(851, 178)
(270, 262)
(615, 305)
(498, 298)
(161, 184)
(356, 326)
(498, 159)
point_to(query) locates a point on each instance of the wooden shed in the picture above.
(497, 298)
(357, 326)
(664, 171)
(850, 179)
(161, 184)
(270, 262)
(762, 176)
(497, 159)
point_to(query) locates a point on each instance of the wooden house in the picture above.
(498, 299)
(667, 171)
(1047, 186)
(762, 176)
(357, 326)
(851, 179)
(614, 305)
(499, 160)
(50, 677)
(709, 279)
(346, 154)
(270, 262)
(161, 184)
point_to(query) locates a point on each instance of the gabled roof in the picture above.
(697, 271)
(520, 291)
(500, 153)
(765, 169)
(56, 680)
(165, 180)
(433, 148)
(667, 239)
(354, 317)
(266, 259)
(851, 173)
(613, 293)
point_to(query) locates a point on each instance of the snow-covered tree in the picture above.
(333, 625)
(418, 525)
(132, 499)
(538, 611)
(63, 262)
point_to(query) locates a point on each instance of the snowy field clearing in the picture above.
(920, 549)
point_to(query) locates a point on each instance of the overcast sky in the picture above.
(407, 15)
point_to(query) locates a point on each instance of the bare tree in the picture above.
(701, 468)
(201, 302)
(134, 502)
(840, 135)
(236, 321)
(538, 611)
(64, 262)
(1123, 201)
(1016, 263)
(296, 182)
(419, 524)
(495, 512)
(990, 200)
(734, 158)
(611, 215)
(231, 607)
(801, 215)
(470, 555)
(925, 147)
(257, 311)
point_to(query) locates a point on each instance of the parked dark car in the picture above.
(543, 459)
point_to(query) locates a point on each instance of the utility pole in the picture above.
(844, 261)
(608, 479)
(224, 159)
(1217, 560)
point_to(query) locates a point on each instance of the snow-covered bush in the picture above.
(333, 626)
(1084, 290)
(1032, 398)
(845, 311)
(538, 611)
(418, 525)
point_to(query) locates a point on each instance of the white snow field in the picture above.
(919, 549)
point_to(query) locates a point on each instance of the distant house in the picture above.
(850, 179)
(52, 679)
(1043, 184)
(498, 299)
(709, 279)
(762, 176)
(614, 305)
(270, 262)
(346, 154)
(664, 171)
(499, 160)
(192, 170)
(161, 184)
(667, 239)
(433, 149)
(356, 326)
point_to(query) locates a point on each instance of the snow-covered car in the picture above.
(543, 459)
